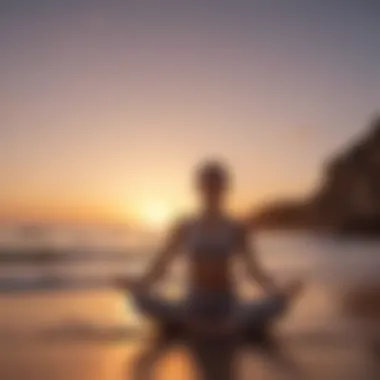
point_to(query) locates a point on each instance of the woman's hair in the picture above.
(212, 170)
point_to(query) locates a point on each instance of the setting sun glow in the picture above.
(156, 215)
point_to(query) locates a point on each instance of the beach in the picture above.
(93, 335)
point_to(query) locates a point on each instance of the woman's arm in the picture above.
(254, 268)
(161, 262)
(164, 257)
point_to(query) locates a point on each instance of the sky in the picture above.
(106, 106)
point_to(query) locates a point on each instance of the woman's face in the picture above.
(212, 187)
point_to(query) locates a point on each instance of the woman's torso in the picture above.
(210, 246)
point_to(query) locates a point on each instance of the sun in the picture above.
(156, 215)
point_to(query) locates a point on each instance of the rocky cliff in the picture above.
(348, 198)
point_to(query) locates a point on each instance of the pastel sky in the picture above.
(107, 105)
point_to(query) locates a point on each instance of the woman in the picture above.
(211, 239)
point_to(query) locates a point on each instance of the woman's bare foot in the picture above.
(221, 328)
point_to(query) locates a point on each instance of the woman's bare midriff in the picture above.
(210, 275)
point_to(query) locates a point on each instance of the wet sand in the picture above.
(93, 336)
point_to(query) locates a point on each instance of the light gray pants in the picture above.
(211, 306)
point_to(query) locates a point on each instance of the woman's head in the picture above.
(212, 181)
